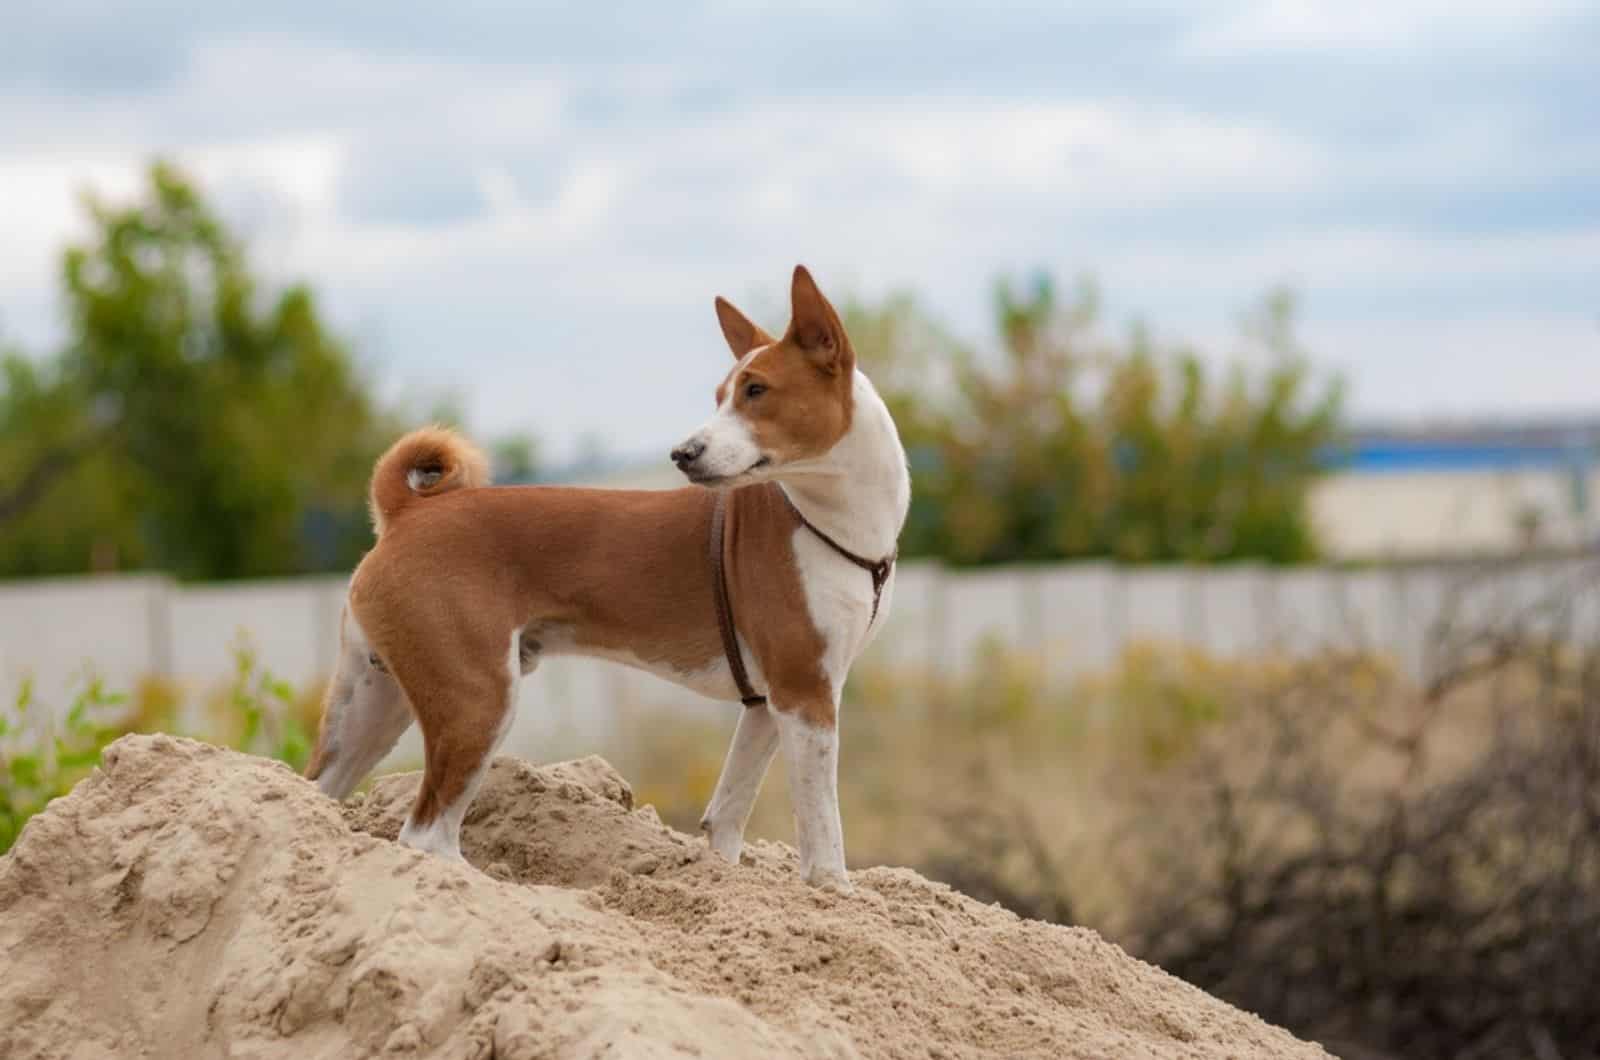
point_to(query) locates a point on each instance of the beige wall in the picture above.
(1076, 618)
(1447, 513)
(1389, 515)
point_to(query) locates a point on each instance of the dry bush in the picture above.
(1393, 871)
(1395, 868)
(995, 781)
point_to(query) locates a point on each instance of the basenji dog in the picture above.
(760, 582)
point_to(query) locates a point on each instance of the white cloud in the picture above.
(1338, 260)
(1277, 26)
(269, 190)
(1497, 365)
(596, 211)
(42, 210)
(1101, 154)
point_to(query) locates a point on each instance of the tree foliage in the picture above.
(200, 423)
(193, 422)
(1062, 444)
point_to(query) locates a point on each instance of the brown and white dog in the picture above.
(467, 587)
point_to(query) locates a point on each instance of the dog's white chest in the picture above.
(839, 597)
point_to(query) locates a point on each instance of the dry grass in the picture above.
(998, 781)
(1394, 867)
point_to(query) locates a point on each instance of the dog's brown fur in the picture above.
(442, 460)
(466, 581)
(795, 418)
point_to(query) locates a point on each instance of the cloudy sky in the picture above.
(532, 209)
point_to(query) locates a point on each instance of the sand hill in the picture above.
(186, 901)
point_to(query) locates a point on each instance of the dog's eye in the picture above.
(754, 390)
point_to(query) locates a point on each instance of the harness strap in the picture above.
(719, 580)
(878, 570)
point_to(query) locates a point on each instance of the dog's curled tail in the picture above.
(424, 463)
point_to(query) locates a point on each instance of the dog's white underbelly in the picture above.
(714, 680)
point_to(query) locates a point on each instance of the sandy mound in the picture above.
(187, 901)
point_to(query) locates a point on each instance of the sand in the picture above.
(186, 901)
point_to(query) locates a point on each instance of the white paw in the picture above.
(835, 880)
(431, 841)
(727, 842)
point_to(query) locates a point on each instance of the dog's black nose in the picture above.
(688, 453)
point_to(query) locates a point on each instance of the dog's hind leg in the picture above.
(463, 720)
(364, 714)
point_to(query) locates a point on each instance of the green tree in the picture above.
(1062, 444)
(194, 422)
(515, 458)
(63, 504)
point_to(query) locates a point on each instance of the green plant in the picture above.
(262, 710)
(42, 756)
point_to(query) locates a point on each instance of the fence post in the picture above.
(1192, 595)
(326, 626)
(158, 626)
(1030, 617)
(1117, 613)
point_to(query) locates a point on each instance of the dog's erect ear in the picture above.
(815, 327)
(742, 335)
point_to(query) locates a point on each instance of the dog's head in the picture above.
(785, 403)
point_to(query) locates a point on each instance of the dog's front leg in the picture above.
(810, 738)
(755, 741)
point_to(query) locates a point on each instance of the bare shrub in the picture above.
(1399, 872)
(1395, 867)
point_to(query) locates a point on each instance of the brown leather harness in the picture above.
(879, 571)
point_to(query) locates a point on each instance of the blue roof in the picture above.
(1551, 446)
(1490, 450)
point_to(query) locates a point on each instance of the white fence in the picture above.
(1076, 617)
